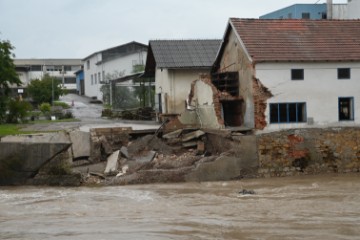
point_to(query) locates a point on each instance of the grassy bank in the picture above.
(15, 129)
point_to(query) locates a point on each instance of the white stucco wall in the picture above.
(320, 89)
(176, 84)
(123, 64)
(353, 9)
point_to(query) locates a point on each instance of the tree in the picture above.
(8, 76)
(41, 90)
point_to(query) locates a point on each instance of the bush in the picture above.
(45, 108)
(61, 104)
(18, 111)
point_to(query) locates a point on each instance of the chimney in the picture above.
(329, 12)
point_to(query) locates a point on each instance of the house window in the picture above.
(297, 74)
(346, 109)
(99, 77)
(92, 79)
(287, 112)
(95, 78)
(103, 75)
(88, 64)
(343, 73)
(305, 15)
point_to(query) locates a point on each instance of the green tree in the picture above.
(41, 90)
(8, 76)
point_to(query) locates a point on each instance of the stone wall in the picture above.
(309, 151)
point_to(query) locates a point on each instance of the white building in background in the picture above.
(62, 69)
(353, 9)
(110, 64)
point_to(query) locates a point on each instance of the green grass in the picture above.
(15, 129)
(11, 129)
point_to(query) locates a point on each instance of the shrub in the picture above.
(61, 104)
(18, 111)
(45, 108)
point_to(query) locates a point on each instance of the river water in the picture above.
(312, 207)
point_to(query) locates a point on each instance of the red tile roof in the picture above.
(299, 40)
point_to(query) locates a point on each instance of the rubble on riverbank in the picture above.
(120, 156)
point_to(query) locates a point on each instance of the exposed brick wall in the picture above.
(309, 151)
(261, 95)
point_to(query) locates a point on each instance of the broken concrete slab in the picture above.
(20, 161)
(80, 144)
(173, 135)
(112, 163)
(124, 152)
(192, 135)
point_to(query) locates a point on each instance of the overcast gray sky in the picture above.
(77, 28)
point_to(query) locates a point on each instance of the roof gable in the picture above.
(299, 40)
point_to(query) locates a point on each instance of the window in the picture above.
(99, 77)
(287, 112)
(92, 79)
(343, 73)
(36, 68)
(88, 64)
(346, 108)
(67, 68)
(95, 77)
(297, 74)
(103, 75)
(70, 80)
(305, 15)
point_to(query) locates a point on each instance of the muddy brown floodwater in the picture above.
(312, 207)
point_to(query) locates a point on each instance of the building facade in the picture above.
(310, 82)
(62, 69)
(311, 11)
(110, 64)
(175, 64)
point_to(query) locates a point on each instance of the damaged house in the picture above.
(278, 74)
(175, 64)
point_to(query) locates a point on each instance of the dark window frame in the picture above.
(344, 73)
(292, 112)
(305, 15)
(297, 74)
(349, 114)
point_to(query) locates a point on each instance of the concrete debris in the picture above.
(189, 144)
(145, 157)
(105, 145)
(124, 152)
(97, 175)
(192, 135)
(112, 164)
(80, 144)
(173, 135)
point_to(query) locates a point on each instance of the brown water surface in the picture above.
(314, 207)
